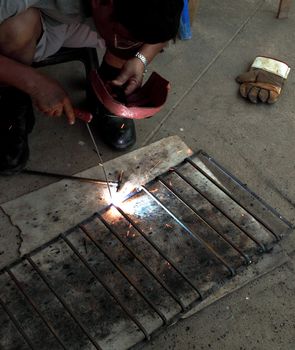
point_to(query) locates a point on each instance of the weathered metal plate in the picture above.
(129, 271)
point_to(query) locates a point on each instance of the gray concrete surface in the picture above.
(254, 142)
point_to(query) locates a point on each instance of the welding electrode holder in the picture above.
(83, 115)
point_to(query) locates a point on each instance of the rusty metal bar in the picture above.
(20, 287)
(244, 188)
(69, 177)
(17, 325)
(62, 301)
(190, 232)
(159, 250)
(115, 297)
(123, 273)
(142, 262)
(181, 198)
(231, 197)
(259, 244)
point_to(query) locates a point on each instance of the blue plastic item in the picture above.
(185, 25)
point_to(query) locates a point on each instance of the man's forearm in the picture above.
(13, 73)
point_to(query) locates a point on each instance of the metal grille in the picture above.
(129, 271)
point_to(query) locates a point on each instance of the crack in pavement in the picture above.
(19, 236)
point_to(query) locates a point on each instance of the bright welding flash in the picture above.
(127, 191)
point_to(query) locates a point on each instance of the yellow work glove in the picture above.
(264, 81)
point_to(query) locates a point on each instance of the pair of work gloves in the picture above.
(264, 81)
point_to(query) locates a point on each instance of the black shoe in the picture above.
(16, 122)
(118, 133)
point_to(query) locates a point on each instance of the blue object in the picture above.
(185, 25)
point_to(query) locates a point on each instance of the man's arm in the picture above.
(46, 93)
(133, 70)
(9, 8)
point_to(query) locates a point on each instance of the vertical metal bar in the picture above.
(191, 233)
(230, 196)
(17, 325)
(159, 250)
(181, 198)
(62, 301)
(113, 294)
(141, 261)
(18, 284)
(259, 244)
(123, 273)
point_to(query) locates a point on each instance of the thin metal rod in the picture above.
(99, 158)
(141, 261)
(246, 189)
(17, 325)
(108, 289)
(159, 250)
(191, 233)
(123, 273)
(202, 218)
(68, 177)
(184, 178)
(62, 301)
(20, 287)
(231, 197)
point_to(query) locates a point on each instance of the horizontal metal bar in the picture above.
(123, 273)
(62, 301)
(108, 289)
(17, 325)
(230, 196)
(191, 233)
(142, 262)
(69, 177)
(202, 218)
(254, 239)
(159, 250)
(34, 306)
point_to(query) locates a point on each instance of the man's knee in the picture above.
(20, 33)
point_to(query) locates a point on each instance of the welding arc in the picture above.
(100, 159)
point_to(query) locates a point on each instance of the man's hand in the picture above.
(51, 99)
(131, 76)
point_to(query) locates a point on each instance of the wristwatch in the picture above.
(143, 59)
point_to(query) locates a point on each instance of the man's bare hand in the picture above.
(51, 99)
(131, 76)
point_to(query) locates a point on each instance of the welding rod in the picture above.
(69, 177)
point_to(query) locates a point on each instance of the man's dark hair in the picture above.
(150, 21)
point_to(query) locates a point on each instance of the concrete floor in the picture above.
(254, 142)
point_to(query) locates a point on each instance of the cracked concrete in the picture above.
(10, 240)
(43, 214)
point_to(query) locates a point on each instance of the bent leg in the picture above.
(19, 36)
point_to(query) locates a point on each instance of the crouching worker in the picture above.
(131, 33)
